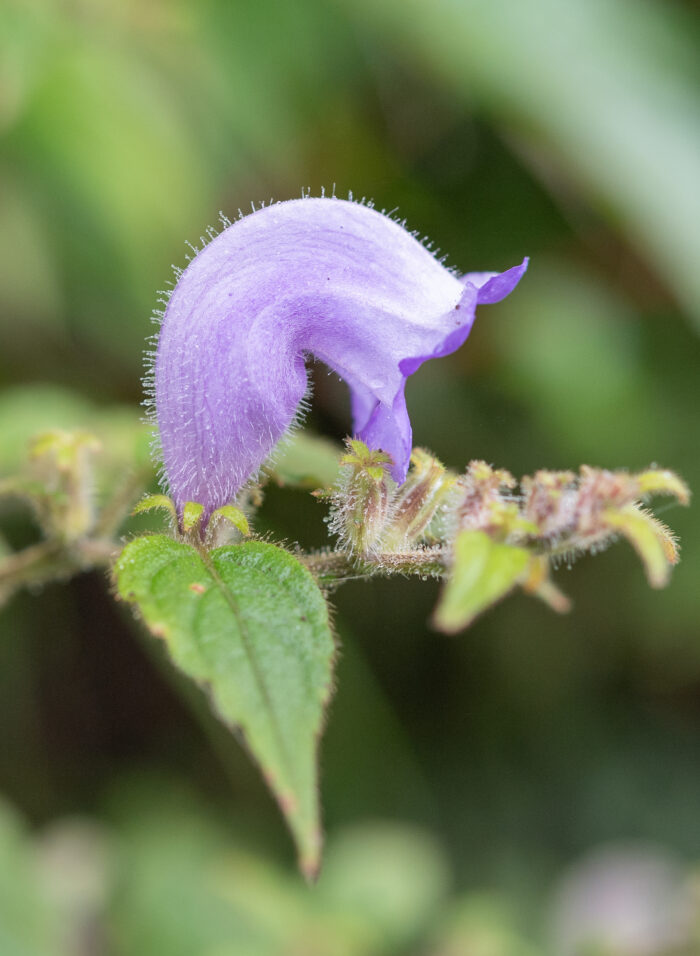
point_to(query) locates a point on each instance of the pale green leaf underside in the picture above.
(248, 623)
(484, 571)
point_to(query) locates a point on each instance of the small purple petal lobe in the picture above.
(494, 286)
(324, 277)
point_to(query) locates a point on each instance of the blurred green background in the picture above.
(489, 794)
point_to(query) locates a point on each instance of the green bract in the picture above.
(484, 571)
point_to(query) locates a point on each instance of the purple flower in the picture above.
(325, 277)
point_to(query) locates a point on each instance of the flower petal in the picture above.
(322, 276)
(494, 286)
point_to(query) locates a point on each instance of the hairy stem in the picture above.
(52, 560)
(335, 567)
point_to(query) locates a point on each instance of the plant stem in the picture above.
(335, 567)
(51, 560)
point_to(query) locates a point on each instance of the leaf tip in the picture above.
(310, 858)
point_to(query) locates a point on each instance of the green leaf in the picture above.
(484, 571)
(248, 623)
(306, 461)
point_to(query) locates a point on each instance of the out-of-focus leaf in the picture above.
(187, 888)
(29, 410)
(29, 287)
(306, 461)
(610, 86)
(480, 924)
(483, 572)
(572, 353)
(106, 125)
(107, 149)
(248, 623)
(291, 63)
(28, 923)
(170, 899)
(75, 862)
(393, 875)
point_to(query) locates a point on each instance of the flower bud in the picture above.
(427, 489)
(362, 504)
(586, 512)
(63, 464)
(485, 504)
(550, 499)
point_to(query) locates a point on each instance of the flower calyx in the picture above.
(421, 503)
(362, 501)
(191, 526)
(61, 483)
(370, 514)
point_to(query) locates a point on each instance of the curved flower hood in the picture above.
(325, 277)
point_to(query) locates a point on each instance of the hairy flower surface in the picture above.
(322, 277)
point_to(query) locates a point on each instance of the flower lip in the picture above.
(323, 276)
(480, 288)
